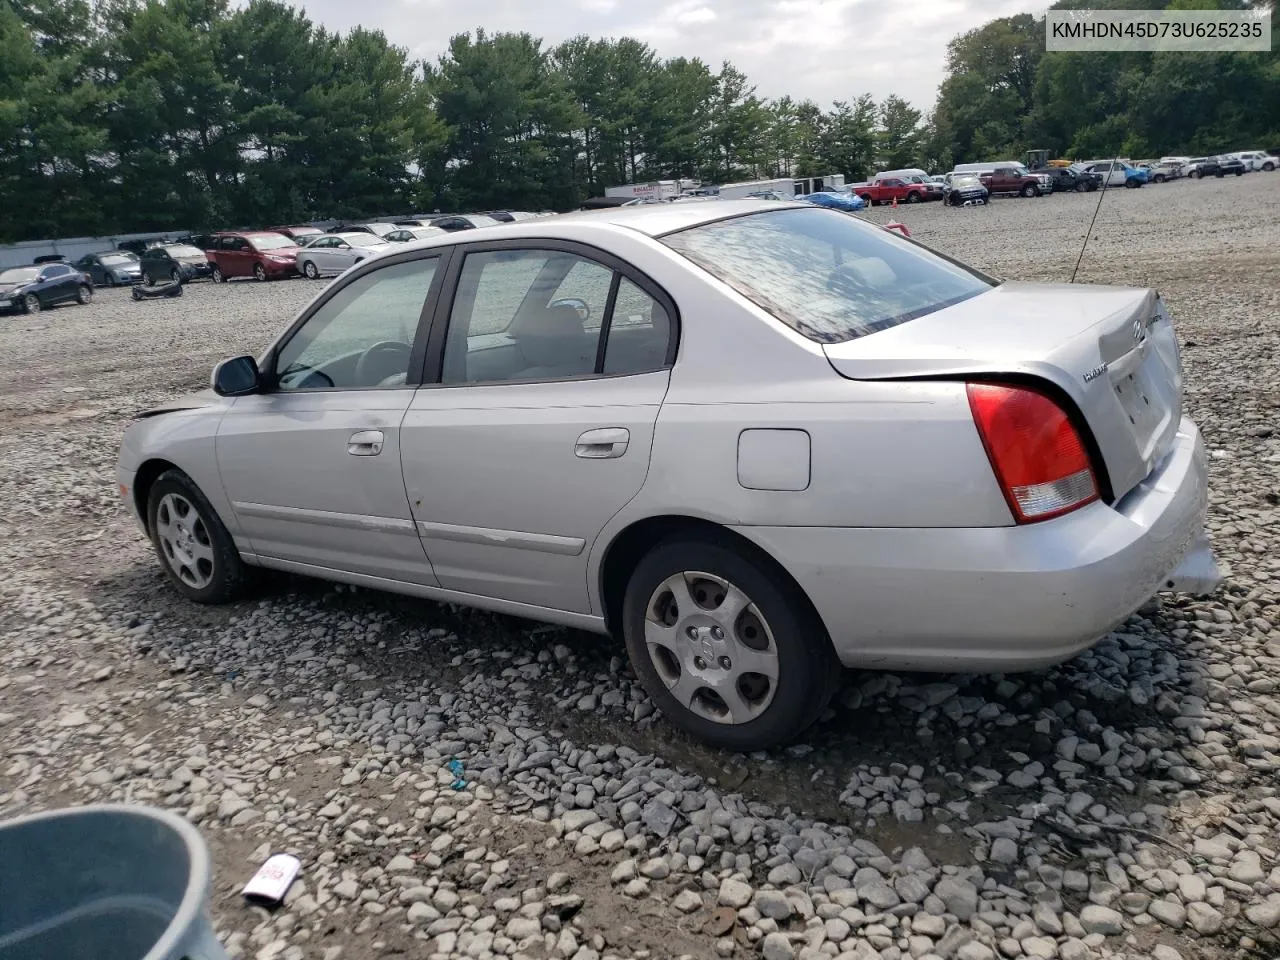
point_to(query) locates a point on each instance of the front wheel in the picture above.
(215, 274)
(1239, 173)
(1158, 178)
(30, 303)
(727, 649)
(259, 273)
(1195, 174)
(1030, 191)
(148, 280)
(1081, 186)
(175, 276)
(84, 294)
(913, 198)
(1219, 174)
(310, 270)
(1132, 184)
(1268, 167)
(195, 549)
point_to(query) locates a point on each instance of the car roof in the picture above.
(348, 234)
(656, 219)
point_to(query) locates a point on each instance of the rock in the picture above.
(959, 896)
(1168, 912)
(1265, 914)
(1103, 920)
(420, 913)
(773, 904)
(347, 889)
(73, 718)
(778, 947)
(655, 869)
(1204, 919)
(1162, 951)
(623, 872)
(784, 875)
(975, 950)
(1004, 850)
(402, 864)
(687, 901)
(734, 892)
(1043, 948)
(522, 928)
(1074, 949)
(1046, 919)
(575, 820)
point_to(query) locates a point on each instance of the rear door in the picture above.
(552, 364)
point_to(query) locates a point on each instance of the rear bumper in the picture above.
(1004, 598)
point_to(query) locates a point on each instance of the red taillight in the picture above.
(1036, 453)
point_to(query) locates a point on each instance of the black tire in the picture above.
(260, 273)
(148, 280)
(1158, 178)
(216, 275)
(866, 198)
(175, 276)
(226, 571)
(1268, 167)
(1195, 174)
(1081, 186)
(310, 270)
(1219, 174)
(31, 303)
(84, 295)
(1239, 173)
(807, 668)
(1132, 184)
(1030, 190)
(913, 197)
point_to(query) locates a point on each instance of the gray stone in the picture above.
(959, 896)
(687, 901)
(1103, 920)
(1169, 912)
(655, 869)
(522, 928)
(1046, 918)
(773, 904)
(1073, 948)
(1204, 919)
(734, 892)
(975, 950)
(1191, 887)
(1162, 951)
(1004, 850)
(1043, 948)
(421, 913)
(578, 819)
(1265, 914)
(778, 947)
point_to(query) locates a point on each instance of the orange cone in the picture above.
(895, 203)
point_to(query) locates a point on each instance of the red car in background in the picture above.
(263, 255)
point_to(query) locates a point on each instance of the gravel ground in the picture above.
(1122, 805)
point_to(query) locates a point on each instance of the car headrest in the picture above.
(550, 322)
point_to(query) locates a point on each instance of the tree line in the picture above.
(140, 115)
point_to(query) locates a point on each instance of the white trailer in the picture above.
(654, 190)
(736, 191)
(807, 185)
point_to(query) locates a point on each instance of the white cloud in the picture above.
(822, 50)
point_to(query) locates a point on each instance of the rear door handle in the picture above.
(602, 444)
(365, 443)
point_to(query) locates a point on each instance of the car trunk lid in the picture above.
(1111, 350)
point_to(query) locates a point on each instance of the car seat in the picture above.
(553, 343)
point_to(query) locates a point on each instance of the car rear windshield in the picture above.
(112, 259)
(272, 241)
(826, 274)
(364, 240)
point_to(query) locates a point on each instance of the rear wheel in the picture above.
(1195, 174)
(1239, 173)
(109, 279)
(726, 648)
(259, 273)
(175, 276)
(1268, 167)
(1158, 178)
(84, 294)
(194, 547)
(148, 280)
(866, 198)
(1220, 174)
(216, 275)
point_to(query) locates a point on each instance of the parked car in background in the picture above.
(1066, 179)
(508, 216)
(1118, 173)
(848, 202)
(1198, 167)
(298, 233)
(889, 189)
(374, 228)
(140, 246)
(201, 241)
(966, 188)
(408, 234)
(1010, 512)
(335, 252)
(111, 268)
(263, 255)
(176, 262)
(50, 258)
(1257, 160)
(1231, 165)
(1158, 171)
(1014, 178)
(31, 289)
(462, 221)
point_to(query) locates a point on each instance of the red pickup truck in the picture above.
(888, 189)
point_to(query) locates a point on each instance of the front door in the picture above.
(312, 464)
(552, 371)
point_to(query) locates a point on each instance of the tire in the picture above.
(866, 198)
(1158, 178)
(1239, 173)
(148, 280)
(194, 548)
(108, 280)
(1132, 184)
(913, 198)
(31, 303)
(216, 275)
(310, 270)
(1081, 186)
(1030, 190)
(84, 295)
(1219, 174)
(1195, 174)
(806, 671)
(260, 273)
(175, 277)
(1268, 167)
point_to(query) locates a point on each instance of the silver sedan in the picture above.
(332, 253)
(757, 441)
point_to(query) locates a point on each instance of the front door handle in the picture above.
(365, 443)
(602, 444)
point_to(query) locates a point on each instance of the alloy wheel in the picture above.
(711, 647)
(31, 303)
(185, 541)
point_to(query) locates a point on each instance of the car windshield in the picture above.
(828, 276)
(305, 231)
(364, 240)
(968, 180)
(19, 274)
(381, 229)
(271, 241)
(116, 259)
(183, 250)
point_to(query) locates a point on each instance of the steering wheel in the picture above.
(577, 303)
(364, 365)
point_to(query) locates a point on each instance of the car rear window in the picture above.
(826, 274)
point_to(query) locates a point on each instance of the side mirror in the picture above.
(236, 377)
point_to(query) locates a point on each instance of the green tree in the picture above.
(900, 133)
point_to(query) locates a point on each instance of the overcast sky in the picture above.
(820, 49)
